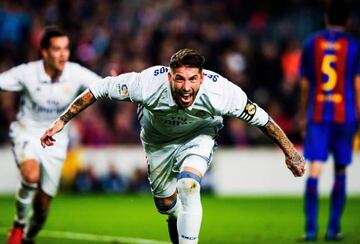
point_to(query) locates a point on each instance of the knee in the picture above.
(31, 177)
(315, 169)
(188, 186)
(165, 205)
(189, 193)
(30, 171)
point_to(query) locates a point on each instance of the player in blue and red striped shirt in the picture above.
(330, 105)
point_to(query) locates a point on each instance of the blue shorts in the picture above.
(322, 139)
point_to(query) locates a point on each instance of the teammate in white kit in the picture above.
(180, 111)
(48, 86)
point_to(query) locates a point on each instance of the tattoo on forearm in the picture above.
(273, 131)
(81, 102)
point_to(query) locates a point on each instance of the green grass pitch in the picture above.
(225, 219)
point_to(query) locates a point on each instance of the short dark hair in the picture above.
(187, 57)
(338, 12)
(50, 32)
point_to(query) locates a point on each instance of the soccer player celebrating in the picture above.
(47, 86)
(330, 105)
(180, 111)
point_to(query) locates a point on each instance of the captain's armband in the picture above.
(254, 115)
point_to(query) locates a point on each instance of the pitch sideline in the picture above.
(91, 237)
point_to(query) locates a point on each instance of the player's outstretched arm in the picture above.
(294, 160)
(79, 104)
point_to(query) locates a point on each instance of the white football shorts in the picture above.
(165, 161)
(26, 145)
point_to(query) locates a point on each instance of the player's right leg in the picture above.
(316, 147)
(311, 201)
(30, 174)
(170, 206)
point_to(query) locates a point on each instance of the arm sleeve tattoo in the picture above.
(273, 131)
(79, 104)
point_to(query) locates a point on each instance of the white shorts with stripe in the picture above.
(166, 160)
(26, 146)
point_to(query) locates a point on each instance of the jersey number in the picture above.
(330, 71)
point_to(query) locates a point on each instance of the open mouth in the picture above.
(185, 98)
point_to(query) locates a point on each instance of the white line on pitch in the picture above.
(92, 237)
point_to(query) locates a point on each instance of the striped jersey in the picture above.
(330, 62)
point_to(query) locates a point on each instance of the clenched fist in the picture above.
(296, 163)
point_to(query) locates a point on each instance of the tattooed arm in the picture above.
(294, 161)
(79, 104)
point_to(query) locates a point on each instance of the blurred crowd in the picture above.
(255, 44)
(86, 180)
(83, 172)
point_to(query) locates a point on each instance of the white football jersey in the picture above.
(163, 121)
(41, 100)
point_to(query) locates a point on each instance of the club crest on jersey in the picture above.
(249, 111)
(123, 89)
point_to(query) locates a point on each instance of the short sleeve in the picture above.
(125, 87)
(236, 104)
(233, 99)
(11, 80)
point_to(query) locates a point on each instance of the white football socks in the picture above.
(24, 196)
(189, 218)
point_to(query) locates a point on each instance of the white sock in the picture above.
(189, 218)
(24, 196)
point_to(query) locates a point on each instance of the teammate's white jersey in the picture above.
(41, 100)
(162, 120)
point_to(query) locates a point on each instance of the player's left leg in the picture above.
(50, 174)
(194, 158)
(188, 187)
(184, 208)
(337, 203)
(311, 201)
(41, 204)
(316, 148)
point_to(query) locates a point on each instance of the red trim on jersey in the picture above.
(319, 55)
(339, 107)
